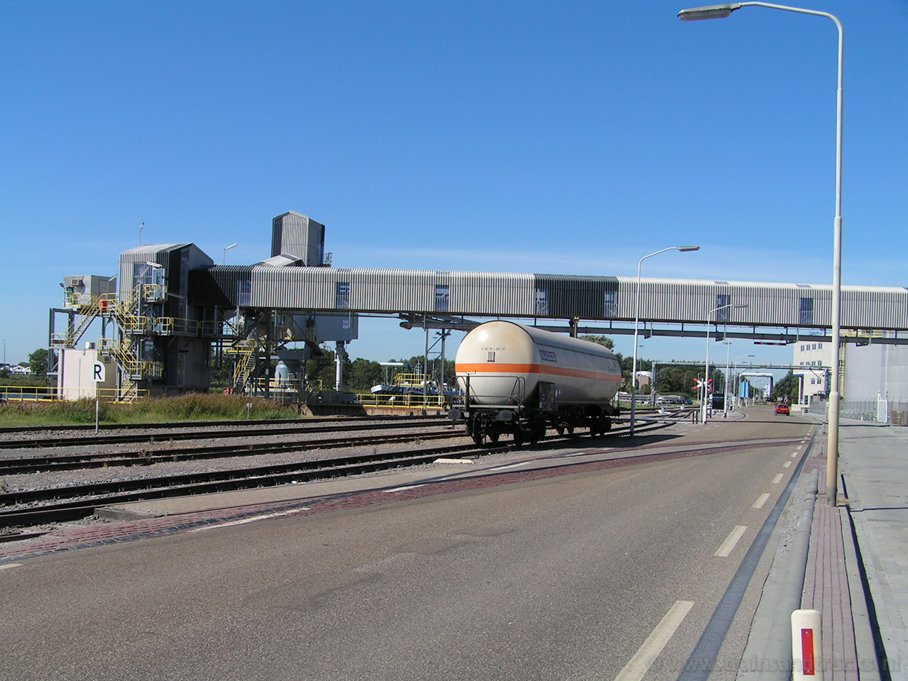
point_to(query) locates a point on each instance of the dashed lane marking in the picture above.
(776, 480)
(794, 454)
(10, 565)
(643, 659)
(786, 464)
(730, 542)
(253, 519)
(762, 499)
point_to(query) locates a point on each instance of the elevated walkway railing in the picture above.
(404, 401)
(47, 393)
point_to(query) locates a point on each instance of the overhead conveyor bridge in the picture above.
(771, 312)
(173, 313)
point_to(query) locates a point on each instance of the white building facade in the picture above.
(874, 385)
(813, 362)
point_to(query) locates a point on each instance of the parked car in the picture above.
(782, 408)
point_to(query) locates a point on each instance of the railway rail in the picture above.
(74, 502)
(177, 425)
(145, 457)
(256, 431)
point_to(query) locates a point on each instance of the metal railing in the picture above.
(404, 401)
(48, 393)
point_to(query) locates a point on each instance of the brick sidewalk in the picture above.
(827, 587)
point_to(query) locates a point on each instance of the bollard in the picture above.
(806, 650)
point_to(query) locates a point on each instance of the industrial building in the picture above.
(172, 312)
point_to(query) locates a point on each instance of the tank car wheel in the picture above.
(559, 429)
(493, 436)
(570, 429)
(537, 432)
(478, 437)
(605, 424)
(518, 436)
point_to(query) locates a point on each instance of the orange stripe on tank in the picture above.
(544, 369)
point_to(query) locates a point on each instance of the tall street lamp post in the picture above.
(727, 367)
(703, 409)
(682, 249)
(227, 248)
(832, 435)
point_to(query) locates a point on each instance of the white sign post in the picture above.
(98, 374)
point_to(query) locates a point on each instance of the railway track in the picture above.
(146, 457)
(74, 502)
(252, 431)
(178, 425)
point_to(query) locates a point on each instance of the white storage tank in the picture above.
(505, 362)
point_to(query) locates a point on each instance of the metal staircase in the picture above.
(245, 355)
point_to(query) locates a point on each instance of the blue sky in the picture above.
(564, 137)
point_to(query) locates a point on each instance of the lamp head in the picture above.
(708, 12)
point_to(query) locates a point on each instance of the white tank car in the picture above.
(519, 379)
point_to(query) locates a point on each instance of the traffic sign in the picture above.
(98, 372)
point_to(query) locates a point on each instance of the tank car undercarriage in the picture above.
(531, 424)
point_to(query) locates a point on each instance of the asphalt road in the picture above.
(561, 577)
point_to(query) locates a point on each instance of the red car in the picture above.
(783, 408)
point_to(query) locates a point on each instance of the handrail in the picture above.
(47, 393)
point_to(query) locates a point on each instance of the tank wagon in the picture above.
(521, 380)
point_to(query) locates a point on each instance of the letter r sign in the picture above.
(98, 372)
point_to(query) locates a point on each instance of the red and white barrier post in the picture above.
(806, 648)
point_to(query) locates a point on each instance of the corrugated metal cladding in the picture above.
(141, 255)
(219, 286)
(566, 296)
(300, 236)
(767, 303)
(490, 293)
(547, 295)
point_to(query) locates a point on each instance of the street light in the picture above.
(706, 372)
(832, 439)
(227, 248)
(735, 369)
(681, 249)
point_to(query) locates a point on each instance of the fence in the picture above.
(47, 393)
(879, 410)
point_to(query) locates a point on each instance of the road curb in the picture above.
(767, 655)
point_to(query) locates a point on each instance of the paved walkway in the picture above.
(874, 467)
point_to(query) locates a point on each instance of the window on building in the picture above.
(244, 293)
(610, 304)
(805, 311)
(542, 301)
(342, 295)
(722, 300)
(442, 296)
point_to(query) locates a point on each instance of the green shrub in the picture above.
(189, 407)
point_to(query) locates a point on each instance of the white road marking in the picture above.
(603, 450)
(776, 480)
(511, 465)
(402, 489)
(253, 519)
(643, 659)
(10, 565)
(794, 454)
(444, 460)
(762, 499)
(729, 544)
(786, 464)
